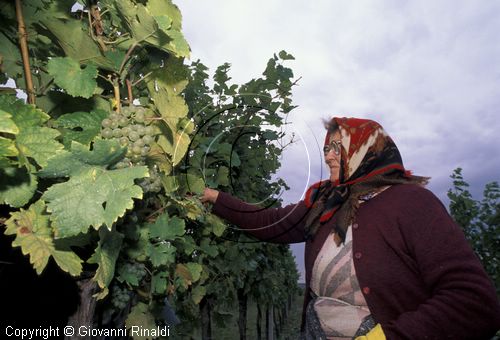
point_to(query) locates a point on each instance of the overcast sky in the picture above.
(428, 71)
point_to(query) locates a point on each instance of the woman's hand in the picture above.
(209, 195)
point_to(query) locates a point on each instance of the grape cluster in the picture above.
(120, 297)
(132, 128)
(153, 182)
(135, 269)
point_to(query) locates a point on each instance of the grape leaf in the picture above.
(187, 244)
(183, 275)
(190, 182)
(197, 293)
(161, 253)
(93, 195)
(163, 22)
(285, 56)
(178, 43)
(71, 77)
(76, 43)
(172, 107)
(192, 208)
(216, 224)
(170, 183)
(178, 148)
(17, 186)
(193, 183)
(81, 127)
(194, 270)
(166, 88)
(7, 146)
(23, 115)
(10, 58)
(105, 256)
(228, 153)
(38, 143)
(140, 23)
(159, 283)
(115, 57)
(207, 248)
(32, 140)
(140, 316)
(7, 124)
(160, 158)
(33, 235)
(223, 176)
(166, 228)
(7, 149)
(166, 8)
(81, 159)
(144, 25)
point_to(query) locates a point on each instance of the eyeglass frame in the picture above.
(330, 147)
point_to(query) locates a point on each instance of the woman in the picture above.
(383, 258)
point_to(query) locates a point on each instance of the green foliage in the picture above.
(7, 125)
(463, 207)
(94, 195)
(34, 236)
(166, 228)
(141, 315)
(81, 127)
(69, 76)
(17, 186)
(89, 167)
(105, 256)
(237, 147)
(480, 221)
(131, 273)
(32, 140)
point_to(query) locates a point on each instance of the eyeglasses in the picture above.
(335, 146)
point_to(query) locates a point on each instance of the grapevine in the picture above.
(98, 175)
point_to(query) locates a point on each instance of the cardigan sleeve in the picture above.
(277, 225)
(462, 303)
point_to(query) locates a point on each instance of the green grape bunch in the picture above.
(133, 129)
(120, 297)
(136, 269)
(153, 182)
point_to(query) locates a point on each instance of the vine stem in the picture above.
(129, 89)
(23, 43)
(142, 78)
(127, 56)
(116, 88)
(97, 22)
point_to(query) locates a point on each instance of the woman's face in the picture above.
(331, 157)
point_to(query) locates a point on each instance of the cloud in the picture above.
(428, 71)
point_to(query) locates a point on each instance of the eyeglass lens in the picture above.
(333, 146)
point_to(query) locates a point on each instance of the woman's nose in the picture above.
(331, 155)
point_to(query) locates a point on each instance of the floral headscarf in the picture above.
(369, 160)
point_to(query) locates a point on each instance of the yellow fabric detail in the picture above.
(375, 334)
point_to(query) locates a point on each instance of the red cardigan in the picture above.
(416, 270)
